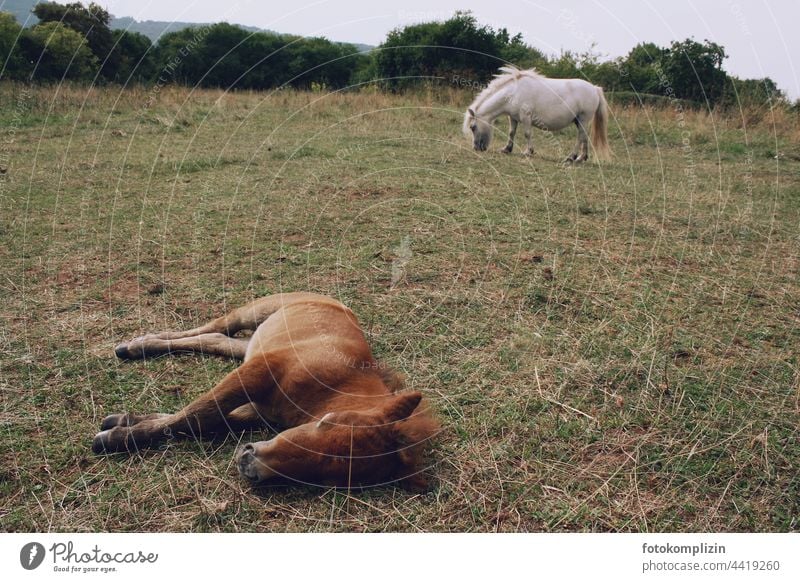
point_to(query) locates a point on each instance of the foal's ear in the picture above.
(471, 112)
(402, 406)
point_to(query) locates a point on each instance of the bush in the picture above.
(58, 52)
(455, 49)
(227, 56)
(14, 65)
(92, 23)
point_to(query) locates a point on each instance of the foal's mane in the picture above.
(508, 73)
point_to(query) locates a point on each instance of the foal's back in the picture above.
(314, 327)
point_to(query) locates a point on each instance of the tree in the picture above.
(319, 61)
(566, 66)
(694, 70)
(134, 55)
(92, 22)
(228, 56)
(752, 92)
(177, 57)
(457, 49)
(58, 52)
(12, 62)
(608, 75)
(640, 68)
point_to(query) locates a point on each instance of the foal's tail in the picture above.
(600, 129)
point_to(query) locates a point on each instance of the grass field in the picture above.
(608, 347)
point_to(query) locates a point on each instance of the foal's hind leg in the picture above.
(251, 382)
(215, 344)
(212, 333)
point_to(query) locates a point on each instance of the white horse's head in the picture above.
(479, 129)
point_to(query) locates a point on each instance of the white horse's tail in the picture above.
(600, 129)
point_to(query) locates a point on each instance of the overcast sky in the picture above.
(760, 36)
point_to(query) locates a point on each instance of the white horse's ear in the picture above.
(471, 112)
(325, 420)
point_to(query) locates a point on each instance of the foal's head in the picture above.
(346, 448)
(480, 129)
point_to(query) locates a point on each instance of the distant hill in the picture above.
(21, 9)
(153, 29)
(156, 28)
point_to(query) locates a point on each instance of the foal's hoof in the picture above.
(113, 420)
(246, 462)
(103, 444)
(113, 440)
(132, 350)
(121, 351)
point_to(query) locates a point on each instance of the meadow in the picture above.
(608, 347)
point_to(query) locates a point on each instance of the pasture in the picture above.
(608, 347)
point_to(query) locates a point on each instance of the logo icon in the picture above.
(31, 555)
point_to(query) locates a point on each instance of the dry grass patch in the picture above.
(609, 348)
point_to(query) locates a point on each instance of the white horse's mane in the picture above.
(507, 74)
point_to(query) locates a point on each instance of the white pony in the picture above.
(534, 100)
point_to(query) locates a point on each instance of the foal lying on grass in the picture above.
(307, 369)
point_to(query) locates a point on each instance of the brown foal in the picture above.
(308, 370)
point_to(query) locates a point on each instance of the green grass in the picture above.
(609, 348)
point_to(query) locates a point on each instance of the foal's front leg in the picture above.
(512, 131)
(249, 383)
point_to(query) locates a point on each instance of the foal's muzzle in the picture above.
(247, 463)
(251, 463)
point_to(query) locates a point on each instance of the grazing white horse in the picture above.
(536, 101)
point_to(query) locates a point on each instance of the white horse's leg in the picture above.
(512, 131)
(581, 153)
(583, 140)
(581, 150)
(526, 127)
